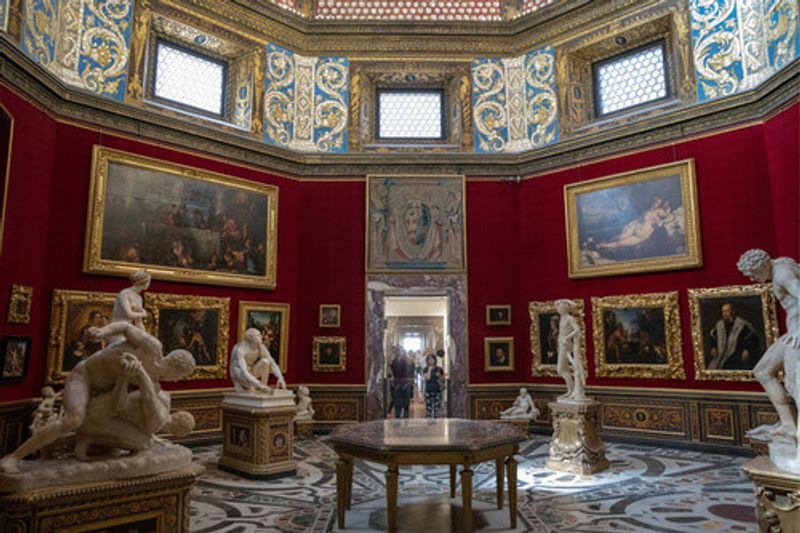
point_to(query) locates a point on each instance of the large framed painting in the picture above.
(416, 223)
(544, 335)
(272, 320)
(72, 313)
(329, 354)
(498, 354)
(197, 324)
(640, 221)
(638, 336)
(14, 353)
(181, 223)
(732, 327)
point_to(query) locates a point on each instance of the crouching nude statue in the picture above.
(252, 364)
(522, 409)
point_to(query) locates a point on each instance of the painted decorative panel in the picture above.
(489, 105)
(40, 30)
(330, 104)
(4, 14)
(410, 9)
(279, 83)
(541, 108)
(783, 39)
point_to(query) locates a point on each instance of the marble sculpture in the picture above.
(522, 409)
(570, 359)
(252, 364)
(304, 409)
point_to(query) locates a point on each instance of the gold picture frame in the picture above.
(498, 315)
(158, 179)
(198, 324)
(763, 325)
(620, 322)
(544, 364)
(269, 312)
(19, 304)
(492, 361)
(333, 360)
(330, 315)
(71, 315)
(658, 227)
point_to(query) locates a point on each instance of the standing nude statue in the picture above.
(252, 364)
(570, 365)
(784, 352)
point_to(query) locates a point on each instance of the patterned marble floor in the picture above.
(647, 489)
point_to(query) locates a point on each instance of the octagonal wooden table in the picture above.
(450, 441)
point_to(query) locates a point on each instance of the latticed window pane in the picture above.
(410, 114)
(631, 79)
(189, 79)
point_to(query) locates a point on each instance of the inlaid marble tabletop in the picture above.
(451, 441)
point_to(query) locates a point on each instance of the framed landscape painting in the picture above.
(181, 223)
(416, 223)
(640, 221)
(197, 324)
(329, 354)
(272, 320)
(638, 336)
(732, 327)
(544, 335)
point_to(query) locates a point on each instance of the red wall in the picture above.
(748, 193)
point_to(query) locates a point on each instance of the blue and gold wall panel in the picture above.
(489, 105)
(330, 104)
(40, 30)
(279, 101)
(540, 91)
(105, 45)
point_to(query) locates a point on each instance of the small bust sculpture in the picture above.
(522, 409)
(570, 364)
(252, 364)
(304, 409)
(783, 354)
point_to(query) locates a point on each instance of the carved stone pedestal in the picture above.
(576, 446)
(777, 496)
(257, 434)
(304, 429)
(151, 503)
(523, 424)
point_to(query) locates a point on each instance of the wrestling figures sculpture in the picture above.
(522, 409)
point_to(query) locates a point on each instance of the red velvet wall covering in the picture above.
(748, 194)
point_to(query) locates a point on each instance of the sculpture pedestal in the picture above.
(523, 424)
(151, 503)
(576, 446)
(304, 429)
(257, 434)
(777, 496)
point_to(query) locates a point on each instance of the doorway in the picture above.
(415, 356)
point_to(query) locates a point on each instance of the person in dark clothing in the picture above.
(434, 382)
(403, 372)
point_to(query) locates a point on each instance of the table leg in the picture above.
(452, 481)
(341, 487)
(391, 498)
(511, 464)
(466, 495)
(349, 496)
(499, 480)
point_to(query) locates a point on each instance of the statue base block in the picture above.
(523, 424)
(304, 429)
(151, 503)
(576, 446)
(257, 434)
(777, 496)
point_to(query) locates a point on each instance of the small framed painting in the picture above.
(272, 320)
(330, 354)
(544, 335)
(498, 315)
(19, 305)
(14, 352)
(499, 354)
(329, 315)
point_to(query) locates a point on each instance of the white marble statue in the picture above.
(46, 412)
(252, 364)
(783, 354)
(570, 359)
(304, 409)
(128, 306)
(522, 409)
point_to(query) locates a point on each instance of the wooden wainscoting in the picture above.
(14, 420)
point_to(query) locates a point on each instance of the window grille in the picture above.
(410, 114)
(631, 79)
(190, 79)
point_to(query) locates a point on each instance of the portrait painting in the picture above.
(499, 354)
(732, 327)
(72, 314)
(329, 354)
(544, 335)
(197, 324)
(416, 223)
(19, 304)
(180, 223)
(638, 335)
(329, 315)
(640, 221)
(14, 352)
(498, 315)
(272, 320)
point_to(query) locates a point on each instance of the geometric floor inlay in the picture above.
(646, 489)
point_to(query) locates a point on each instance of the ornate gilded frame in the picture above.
(155, 303)
(491, 322)
(692, 258)
(323, 307)
(19, 304)
(769, 314)
(93, 263)
(4, 342)
(62, 299)
(315, 348)
(535, 309)
(668, 301)
(245, 307)
(487, 341)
